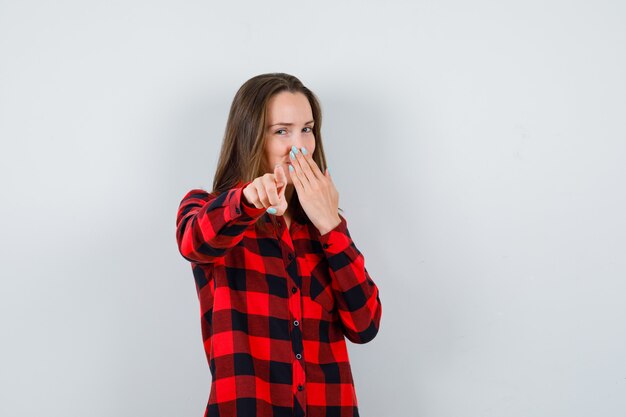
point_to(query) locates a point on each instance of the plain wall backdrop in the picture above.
(478, 149)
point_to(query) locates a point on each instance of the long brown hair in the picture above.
(243, 149)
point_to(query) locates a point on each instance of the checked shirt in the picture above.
(276, 305)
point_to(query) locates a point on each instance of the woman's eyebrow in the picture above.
(290, 124)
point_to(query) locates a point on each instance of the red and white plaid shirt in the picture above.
(275, 306)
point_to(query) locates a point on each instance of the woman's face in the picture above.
(289, 122)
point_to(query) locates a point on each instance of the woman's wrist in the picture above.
(328, 226)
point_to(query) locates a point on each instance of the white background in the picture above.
(478, 149)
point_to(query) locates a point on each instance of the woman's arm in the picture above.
(355, 292)
(207, 226)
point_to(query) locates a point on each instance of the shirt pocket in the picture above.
(319, 285)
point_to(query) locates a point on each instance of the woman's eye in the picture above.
(310, 130)
(280, 130)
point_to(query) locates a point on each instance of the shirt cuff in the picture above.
(240, 209)
(336, 240)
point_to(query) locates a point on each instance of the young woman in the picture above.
(280, 282)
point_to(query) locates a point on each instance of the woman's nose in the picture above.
(298, 141)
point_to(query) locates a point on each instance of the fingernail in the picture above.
(292, 155)
(290, 168)
(294, 149)
(304, 151)
(271, 210)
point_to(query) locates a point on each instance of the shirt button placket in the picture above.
(295, 307)
(297, 337)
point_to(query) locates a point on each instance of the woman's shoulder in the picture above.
(220, 197)
(201, 192)
(198, 195)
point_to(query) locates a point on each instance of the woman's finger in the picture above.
(280, 173)
(313, 166)
(255, 196)
(295, 161)
(306, 168)
(295, 179)
(261, 187)
(269, 181)
(281, 179)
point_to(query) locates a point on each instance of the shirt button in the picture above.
(325, 245)
(290, 256)
(294, 289)
(298, 356)
(300, 387)
(237, 210)
(295, 323)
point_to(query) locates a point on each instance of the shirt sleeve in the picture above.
(356, 294)
(207, 226)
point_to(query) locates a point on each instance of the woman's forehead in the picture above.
(288, 108)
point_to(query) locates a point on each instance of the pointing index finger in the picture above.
(277, 186)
